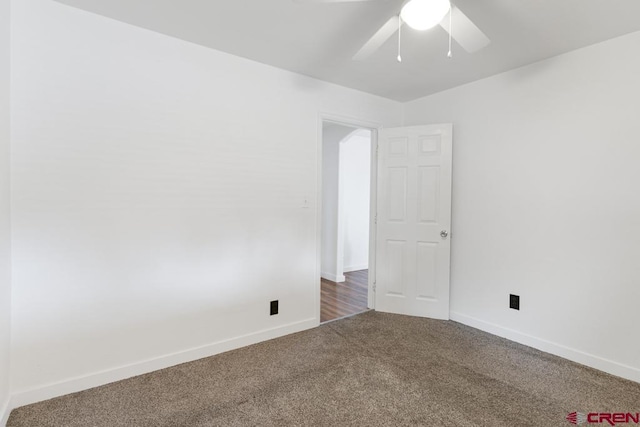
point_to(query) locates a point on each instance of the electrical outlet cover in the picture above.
(514, 302)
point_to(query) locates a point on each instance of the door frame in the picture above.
(356, 124)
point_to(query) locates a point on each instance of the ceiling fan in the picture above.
(422, 15)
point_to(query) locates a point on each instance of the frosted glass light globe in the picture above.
(424, 14)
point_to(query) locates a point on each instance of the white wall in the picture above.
(5, 230)
(546, 202)
(355, 175)
(332, 259)
(346, 176)
(158, 198)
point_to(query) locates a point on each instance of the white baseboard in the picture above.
(5, 410)
(356, 268)
(596, 362)
(333, 277)
(72, 385)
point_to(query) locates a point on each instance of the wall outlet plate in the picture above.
(514, 302)
(274, 307)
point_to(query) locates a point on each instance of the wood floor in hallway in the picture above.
(346, 298)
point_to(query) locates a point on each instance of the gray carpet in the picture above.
(373, 369)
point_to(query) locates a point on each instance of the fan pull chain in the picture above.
(399, 38)
(449, 54)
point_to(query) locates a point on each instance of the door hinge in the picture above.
(374, 286)
(375, 219)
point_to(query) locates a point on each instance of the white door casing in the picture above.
(414, 220)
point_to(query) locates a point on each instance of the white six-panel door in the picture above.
(413, 220)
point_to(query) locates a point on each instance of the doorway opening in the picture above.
(346, 225)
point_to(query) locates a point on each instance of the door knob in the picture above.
(444, 234)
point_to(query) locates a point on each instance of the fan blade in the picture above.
(377, 40)
(465, 32)
(332, 1)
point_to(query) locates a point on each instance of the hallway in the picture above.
(346, 298)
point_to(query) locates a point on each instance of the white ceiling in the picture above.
(318, 40)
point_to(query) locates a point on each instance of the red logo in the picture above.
(610, 418)
(577, 418)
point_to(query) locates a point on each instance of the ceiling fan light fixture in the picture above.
(424, 14)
